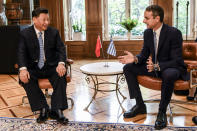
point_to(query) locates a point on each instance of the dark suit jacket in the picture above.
(28, 48)
(169, 49)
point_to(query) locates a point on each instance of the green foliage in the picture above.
(76, 28)
(117, 13)
(118, 31)
(129, 24)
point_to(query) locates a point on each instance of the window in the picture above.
(74, 19)
(180, 18)
(115, 11)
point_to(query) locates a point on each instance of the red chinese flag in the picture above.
(98, 47)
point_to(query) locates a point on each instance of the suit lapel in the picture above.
(152, 44)
(35, 41)
(46, 35)
(162, 37)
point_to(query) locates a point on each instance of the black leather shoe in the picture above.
(194, 119)
(161, 121)
(59, 116)
(137, 109)
(191, 98)
(44, 114)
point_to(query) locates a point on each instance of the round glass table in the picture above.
(94, 70)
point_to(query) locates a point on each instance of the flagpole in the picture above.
(107, 62)
(108, 55)
(111, 50)
(102, 46)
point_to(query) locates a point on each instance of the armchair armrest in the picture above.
(69, 71)
(192, 66)
(69, 61)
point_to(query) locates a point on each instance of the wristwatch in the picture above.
(156, 67)
(135, 59)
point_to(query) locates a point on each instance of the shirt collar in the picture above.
(159, 29)
(37, 31)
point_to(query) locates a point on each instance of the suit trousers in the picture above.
(35, 95)
(168, 76)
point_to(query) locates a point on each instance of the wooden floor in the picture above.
(104, 109)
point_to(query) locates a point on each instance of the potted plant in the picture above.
(77, 34)
(129, 24)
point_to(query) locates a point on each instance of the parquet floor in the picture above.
(104, 109)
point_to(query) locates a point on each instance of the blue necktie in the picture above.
(155, 45)
(41, 57)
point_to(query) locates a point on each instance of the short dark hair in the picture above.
(157, 11)
(38, 11)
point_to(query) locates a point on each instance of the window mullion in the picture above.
(192, 18)
(127, 8)
(69, 6)
(195, 18)
(105, 14)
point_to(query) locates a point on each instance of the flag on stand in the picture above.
(111, 48)
(98, 47)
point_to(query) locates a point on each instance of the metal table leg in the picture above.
(118, 91)
(95, 89)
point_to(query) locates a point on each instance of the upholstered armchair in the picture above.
(46, 85)
(190, 58)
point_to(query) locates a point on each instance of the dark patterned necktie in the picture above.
(155, 46)
(41, 57)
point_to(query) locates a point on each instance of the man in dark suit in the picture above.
(41, 54)
(161, 56)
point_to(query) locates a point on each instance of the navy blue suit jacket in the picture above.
(29, 50)
(169, 49)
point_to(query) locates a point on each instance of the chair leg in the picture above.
(47, 95)
(171, 113)
(23, 100)
(72, 102)
(34, 114)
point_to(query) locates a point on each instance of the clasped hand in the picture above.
(150, 65)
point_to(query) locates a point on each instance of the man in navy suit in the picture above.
(41, 54)
(161, 56)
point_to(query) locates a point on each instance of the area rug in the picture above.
(20, 124)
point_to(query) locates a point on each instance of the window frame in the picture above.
(193, 20)
(67, 11)
(127, 14)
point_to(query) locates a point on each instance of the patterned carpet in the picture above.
(19, 124)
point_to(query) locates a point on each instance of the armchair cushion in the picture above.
(155, 83)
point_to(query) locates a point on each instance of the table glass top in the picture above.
(100, 68)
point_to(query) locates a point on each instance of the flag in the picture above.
(111, 48)
(98, 47)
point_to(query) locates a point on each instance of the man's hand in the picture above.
(61, 70)
(128, 58)
(24, 76)
(150, 66)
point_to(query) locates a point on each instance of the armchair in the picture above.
(46, 85)
(190, 58)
